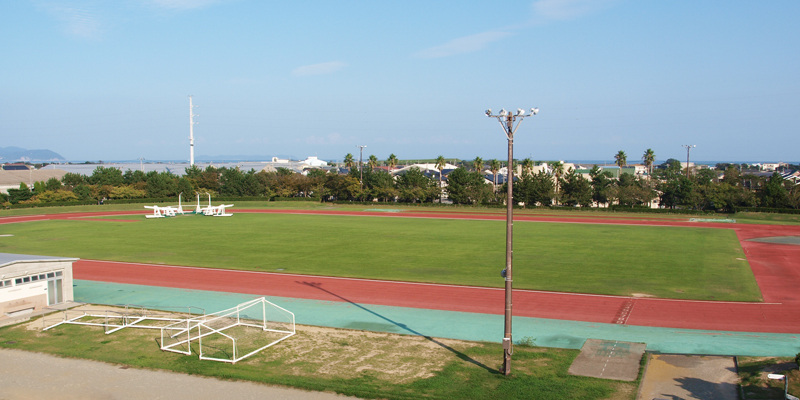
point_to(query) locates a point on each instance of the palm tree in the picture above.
(373, 162)
(440, 164)
(558, 170)
(392, 161)
(527, 166)
(348, 161)
(494, 165)
(477, 164)
(649, 158)
(621, 158)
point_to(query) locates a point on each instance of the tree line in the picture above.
(667, 184)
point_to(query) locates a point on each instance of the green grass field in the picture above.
(363, 364)
(670, 262)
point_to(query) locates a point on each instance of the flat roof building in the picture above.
(29, 283)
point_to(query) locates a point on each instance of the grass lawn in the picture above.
(670, 262)
(755, 384)
(362, 364)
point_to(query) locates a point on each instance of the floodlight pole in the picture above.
(191, 131)
(688, 149)
(360, 170)
(507, 120)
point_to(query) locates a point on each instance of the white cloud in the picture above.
(568, 9)
(80, 21)
(181, 4)
(466, 44)
(319, 69)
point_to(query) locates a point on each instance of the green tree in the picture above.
(21, 194)
(106, 176)
(71, 179)
(208, 180)
(382, 186)
(38, 187)
(50, 196)
(126, 192)
(53, 184)
(576, 190)
(477, 164)
(527, 166)
(494, 166)
(83, 192)
(184, 185)
(649, 158)
(392, 162)
(465, 187)
(602, 185)
(774, 193)
(558, 171)
(440, 164)
(160, 185)
(348, 161)
(534, 189)
(413, 186)
(621, 159)
(231, 182)
(193, 172)
(373, 162)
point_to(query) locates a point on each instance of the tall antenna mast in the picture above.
(191, 132)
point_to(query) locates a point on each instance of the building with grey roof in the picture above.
(29, 283)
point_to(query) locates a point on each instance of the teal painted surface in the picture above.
(451, 324)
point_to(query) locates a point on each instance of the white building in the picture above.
(29, 283)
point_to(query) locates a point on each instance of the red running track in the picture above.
(776, 268)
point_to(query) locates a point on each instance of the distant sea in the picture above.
(658, 162)
(267, 159)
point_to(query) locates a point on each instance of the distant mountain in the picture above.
(238, 157)
(12, 154)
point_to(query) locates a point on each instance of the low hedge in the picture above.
(767, 210)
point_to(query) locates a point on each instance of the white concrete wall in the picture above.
(33, 292)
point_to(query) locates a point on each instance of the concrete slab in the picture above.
(778, 239)
(33, 376)
(608, 359)
(689, 377)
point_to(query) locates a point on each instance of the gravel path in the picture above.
(33, 376)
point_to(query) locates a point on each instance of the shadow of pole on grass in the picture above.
(458, 354)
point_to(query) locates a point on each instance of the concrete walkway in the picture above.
(671, 376)
(34, 376)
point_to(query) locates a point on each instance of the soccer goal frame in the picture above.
(238, 332)
(259, 314)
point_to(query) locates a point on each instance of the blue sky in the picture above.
(109, 79)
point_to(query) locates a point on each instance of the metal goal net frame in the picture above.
(228, 336)
(231, 335)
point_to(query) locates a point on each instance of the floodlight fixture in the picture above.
(534, 111)
(503, 112)
(520, 112)
(489, 112)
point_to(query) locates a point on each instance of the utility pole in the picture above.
(506, 120)
(361, 171)
(191, 132)
(688, 149)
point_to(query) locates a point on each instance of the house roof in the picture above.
(14, 178)
(10, 258)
